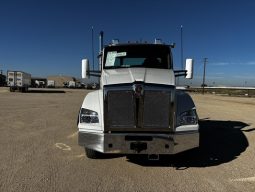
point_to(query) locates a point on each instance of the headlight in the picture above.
(88, 116)
(187, 118)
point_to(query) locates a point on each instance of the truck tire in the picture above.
(92, 154)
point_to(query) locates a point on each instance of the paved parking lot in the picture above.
(39, 150)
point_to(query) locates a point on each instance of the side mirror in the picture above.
(85, 68)
(189, 68)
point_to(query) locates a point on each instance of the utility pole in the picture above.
(203, 85)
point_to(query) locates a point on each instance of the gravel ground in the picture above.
(39, 150)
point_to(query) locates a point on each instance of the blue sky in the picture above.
(50, 37)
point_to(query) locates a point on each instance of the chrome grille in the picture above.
(120, 109)
(124, 110)
(156, 109)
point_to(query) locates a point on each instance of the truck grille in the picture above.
(150, 111)
(156, 109)
(120, 109)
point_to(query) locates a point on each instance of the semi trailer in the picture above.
(50, 83)
(137, 109)
(18, 80)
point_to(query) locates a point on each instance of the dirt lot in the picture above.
(39, 150)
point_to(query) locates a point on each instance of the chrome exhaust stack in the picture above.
(101, 41)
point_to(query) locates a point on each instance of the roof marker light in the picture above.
(115, 41)
(158, 41)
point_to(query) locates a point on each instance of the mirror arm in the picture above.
(179, 73)
(95, 75)
(94, 71)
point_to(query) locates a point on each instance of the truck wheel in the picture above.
(11, 89)
(92, 154)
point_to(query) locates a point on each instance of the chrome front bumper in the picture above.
(140, 143)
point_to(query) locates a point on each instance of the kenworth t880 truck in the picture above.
(137, 109)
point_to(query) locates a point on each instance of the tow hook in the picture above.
(153, 157)
(138, 146)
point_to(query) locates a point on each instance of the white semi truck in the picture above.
(18, 80)
(71, 84)
(137, 109)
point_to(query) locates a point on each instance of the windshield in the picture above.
(148, 56)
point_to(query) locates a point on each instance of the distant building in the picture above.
(61, 81)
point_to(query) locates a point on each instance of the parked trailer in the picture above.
(50, 83)
(18, 80)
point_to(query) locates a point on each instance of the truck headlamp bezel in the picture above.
(88, 116)
(187, 118)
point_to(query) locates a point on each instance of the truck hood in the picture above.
(130, 75)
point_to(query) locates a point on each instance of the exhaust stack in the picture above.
(101, 41)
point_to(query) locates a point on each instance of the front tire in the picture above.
(92, 154)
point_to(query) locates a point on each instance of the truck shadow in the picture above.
(220, 142)
(45, 91)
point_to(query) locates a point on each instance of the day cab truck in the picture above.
(137, 109)
(18, 80)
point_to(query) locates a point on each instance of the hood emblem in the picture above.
(138, 89)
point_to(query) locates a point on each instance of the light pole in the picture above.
(203, 85)
(92, 38)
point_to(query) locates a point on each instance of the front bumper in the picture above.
(142, 143)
